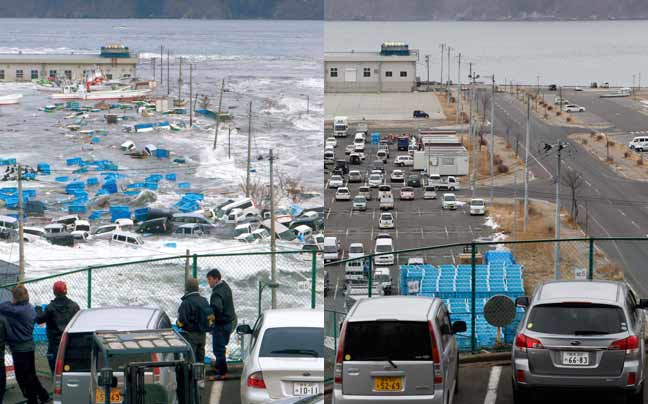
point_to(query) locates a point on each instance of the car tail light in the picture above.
(519, 376)
(436, 358)
(58, 368)
(524, 342)
(340, 353)
(629, 344)
(632, 379)
(255, 380)
(156, 370)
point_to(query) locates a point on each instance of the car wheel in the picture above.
(451, 188)
(520, 397)
(636, 398)
(639, 149)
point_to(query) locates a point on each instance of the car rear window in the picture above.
(77, 352)
(292, 342)
(577, 319)
(393, 340)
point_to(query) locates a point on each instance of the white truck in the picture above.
(420, 161)
(340, 126)
(439, 183)
(362, 128)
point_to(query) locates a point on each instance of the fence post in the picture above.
(370, 277)
(89, 295)
(473, 282)
(313, 279)
(335, 330)
(195, 266)
(260, 292)
(590, 275)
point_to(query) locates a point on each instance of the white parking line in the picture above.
(493, 382)
(620, 211)
(216, 392)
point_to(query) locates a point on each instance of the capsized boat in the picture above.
(122, 94)
(10, 99)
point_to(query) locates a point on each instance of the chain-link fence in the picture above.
(160, 283)
(466, 276)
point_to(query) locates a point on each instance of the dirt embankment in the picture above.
(618, 157)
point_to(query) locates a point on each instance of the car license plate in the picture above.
(115, 395)
(306, 389)
(575, 358)
(388, 383)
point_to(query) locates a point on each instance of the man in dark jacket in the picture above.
(21, 317)
(3, 340)
(195, 318)
(56, 316)
(224, 319)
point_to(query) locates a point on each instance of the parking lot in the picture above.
(417, 223)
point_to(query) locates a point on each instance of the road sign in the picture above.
(499, 311)
(580, 274)
(413, 287)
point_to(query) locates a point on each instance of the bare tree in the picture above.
(573, 181)
(483, 104)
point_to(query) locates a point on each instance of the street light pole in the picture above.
(557, 225)
(427, 63)
(492, 137)
(526, 165)
(460, 107)
(442, 51)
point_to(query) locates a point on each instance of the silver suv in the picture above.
(580, 335)
(397, 349)
(72, 373)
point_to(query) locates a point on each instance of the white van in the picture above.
(245, 204)
(384, 245)
(354, 270)
(9, 222)
(303, 232)
(331, 249)
(340, 126)
(639, 143)
(129, 239)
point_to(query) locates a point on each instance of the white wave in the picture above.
(209, 57)
(313, 82)
(310, 122)
(44, 51)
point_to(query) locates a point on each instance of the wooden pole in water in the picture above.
(21, 241)
(249, 150)
(218, 118)
(190, 95)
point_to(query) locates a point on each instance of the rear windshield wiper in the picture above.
(590, 332)
(309, 352)
(383, 358)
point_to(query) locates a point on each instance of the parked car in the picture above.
(285, 357)
(332, 249)
(384, 245)
(355, 176)
(160, 225)
(343, 165)
(378, 165)
(423, 367)
(349, 149)
(407, 193)
(477, 206)
(573, 108)
(414, 181)
(72, 375)
(386, 221)
(342, 194)
(55, 228)
(104, 232)
(336, 181)
(387, 202)
(639, 143)
(365, 191)
(67, 221)
(580, 335)
(356, 250)
(62, 239)
(448, 183)
(384, 190)
(429, 192)
(420, 114)
(397, 176)
(360, 203)
(404, 161)
(127, 239)
(449, 201)
(382, 155)
(355, 158)
(375, 180)
(331, 141)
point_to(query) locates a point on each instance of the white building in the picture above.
(393, 69)
(441, 153)
(115, 61)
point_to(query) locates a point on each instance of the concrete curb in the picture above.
(485, 357)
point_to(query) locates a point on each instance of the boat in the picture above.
(143, 127)
(176, 127)
(224, 116)
(10, 99)
(122, 94)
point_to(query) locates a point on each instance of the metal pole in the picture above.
(557, 225)
(427, 62)
(154, 68)
(492, 142)
(180, 82)
(473, 289)
(526, 165)
(218, 118)
(370, 278)
(514, 206)
(168, 72)
(590, 274)
(449, 49)
(161, 64)
(273, 237)
(313, 279)
(190, 95)
(537, 94)
(21, 241)
(249, 150)
(229, 142)
(460, 107)
(442, 52)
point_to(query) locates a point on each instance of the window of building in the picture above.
(334, 72)
(388, 74)
(52, 73)
(20, 75)
(403, 74)
(2, 76)
(109, 76)
(34, 74)
(447, 161)
(367, 72)
(68, 74)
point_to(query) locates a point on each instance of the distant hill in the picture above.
(200, 9)
(485, 9)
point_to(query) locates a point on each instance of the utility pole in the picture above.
(459, 107)
(21, 238)
(448, 83)
(427, 63)
(526, 165)
(180, 83)
(161, 64)
(229, 142)
(514, 206)
(168, 74)
(561, 145)
(249, 150)
(218, 118)
(442, 52)
(633, 87)
(153, 63)
(492, 137)
(190, 95)
(537, 94)
(273, 237)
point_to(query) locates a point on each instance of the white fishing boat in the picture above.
(10, 99)
(121, 94)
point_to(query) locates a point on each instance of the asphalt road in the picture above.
(616, 206)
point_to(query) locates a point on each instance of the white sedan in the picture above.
(336, 181)
(285, 356)
(386, 221)
(375, 180)
(342, 194)
(573, 108)
(477, 206)
(397, 176)
(331, 142)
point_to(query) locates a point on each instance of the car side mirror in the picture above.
(459, 326)
(643, 304)
(243, 329)
(522, 301)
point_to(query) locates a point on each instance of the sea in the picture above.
(573, 53)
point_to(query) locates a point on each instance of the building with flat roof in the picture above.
(115, 61)
(392, 69)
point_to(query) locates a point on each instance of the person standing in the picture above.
(56, 316)
(224, 319)
(21, 316)
(195, 318)
(3, 340)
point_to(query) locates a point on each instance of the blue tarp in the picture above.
(119, 212)
(162, 153)
(375, 138)
(170, 177)
(75, 161)
(43, 168)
